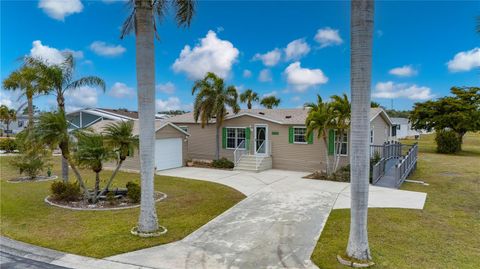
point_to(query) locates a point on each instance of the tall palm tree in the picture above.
(7, 115)
(119, 136)
(270, 102)
(319, 119)
(91, 153)
(341, 121)
(59, 79)
(211, 101)
(142, 21)
(248, 97)
(30, 84)
(360, 79)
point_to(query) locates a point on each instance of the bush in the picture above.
(223, 163)
(65, 191)
(8, 145)
(29, 165)
(133, 192)
(447, 142)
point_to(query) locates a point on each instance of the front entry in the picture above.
(261, 142)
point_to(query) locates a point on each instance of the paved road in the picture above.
(8, 261)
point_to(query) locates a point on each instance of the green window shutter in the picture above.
(224, 137)
(310, 138)
(247, 138)
(331, 142)
(290, 135)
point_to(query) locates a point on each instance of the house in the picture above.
(15, 126)
(170, 140)
(88, 116)
(404, 128)
(259, 139)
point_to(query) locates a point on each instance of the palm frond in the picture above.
(93, 81)
(184, 12)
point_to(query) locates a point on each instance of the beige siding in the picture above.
(381, 130)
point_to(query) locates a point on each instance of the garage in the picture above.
(168, 153)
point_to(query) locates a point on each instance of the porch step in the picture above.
(248, 163)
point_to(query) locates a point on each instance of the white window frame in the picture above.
(343, 142)
(372, 136)
(235, 137)
(184, 128)
(295, 135)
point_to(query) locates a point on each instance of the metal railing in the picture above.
(388, 150)
(378, 171)
(239, 151)
(260, 150)
(407, 165)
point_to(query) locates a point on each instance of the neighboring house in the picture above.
(259, 139)
(88, 116)
(171, 145)
(15, 126)
(404, 128)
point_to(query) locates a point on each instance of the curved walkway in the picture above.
(276, 226)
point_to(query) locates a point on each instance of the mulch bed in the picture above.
(29, 179)
(120, 203)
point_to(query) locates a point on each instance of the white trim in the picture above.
(174, 126)
(236, 137)
(255, 140)
(335, 142)
(252, 115)
(300, 127)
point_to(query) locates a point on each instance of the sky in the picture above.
(290, 49)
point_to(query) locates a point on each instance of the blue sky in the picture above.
(293, 50)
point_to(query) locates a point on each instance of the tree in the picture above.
(460, 112)
(270, 102)
(211, 101)
(142, 21)
(248, 97)
(374, 104)
(59, 79)
(27, 80)
(341, 112)
(7, 115)
(119, 136)
(90, 153)
(361, 24)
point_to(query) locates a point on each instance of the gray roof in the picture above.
(399, 120)
(98, 127)
(278, 115)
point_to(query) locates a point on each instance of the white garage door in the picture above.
(168, 153)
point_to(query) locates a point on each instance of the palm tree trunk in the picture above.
(30, 111)
(61, 108)
(145, 63)
(64, 170)
(97, 187)
(217, 139)
(327, 159)
(111, 178)
(361, 67)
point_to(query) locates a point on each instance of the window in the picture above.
(20, 123)
(184, 128)
(398, 126)
(371, 136)
(235, 136)
(299, 135)
(341, 143)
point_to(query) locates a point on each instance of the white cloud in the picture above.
(328, 37)
(247, 73)
(270, 58)
(121, 90)
(296, 99)
(59, 9)
(168, 88)
(303, 78)
(172, 103)
(104, 49)
(52, 55)
(268, 94)
(296, 49)
(211, 55)
(10, 98)
(404, 71)
(390, 90)
(465, 61)
(81, 98)
(265, 75)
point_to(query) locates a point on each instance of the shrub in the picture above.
(8, 145)
(133, 192)
(65, 191)
(447, 142)
(29, 165)
(223, 163)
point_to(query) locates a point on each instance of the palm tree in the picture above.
(341, 122)
(91, 153)
(319, 119)
(142, 21)
(211, 101)
(26, 80)
(248, 97)
(119, 136)
(59, 79)
(7, 115)
(270, 102)
(360, 79)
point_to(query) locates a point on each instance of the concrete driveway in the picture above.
(276, 226)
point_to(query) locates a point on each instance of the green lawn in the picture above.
(25, 216)
(446, 234)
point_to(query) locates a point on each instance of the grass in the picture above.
(25, 216)
(443, 235)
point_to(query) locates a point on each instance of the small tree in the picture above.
(34, 156)
(341, 122)
(249, 97)
(7, 115)
(270, 102)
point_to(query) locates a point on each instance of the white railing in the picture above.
(240, 150)
(260, 150)
(407, 164)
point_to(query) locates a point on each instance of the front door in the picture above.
(261, 139)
